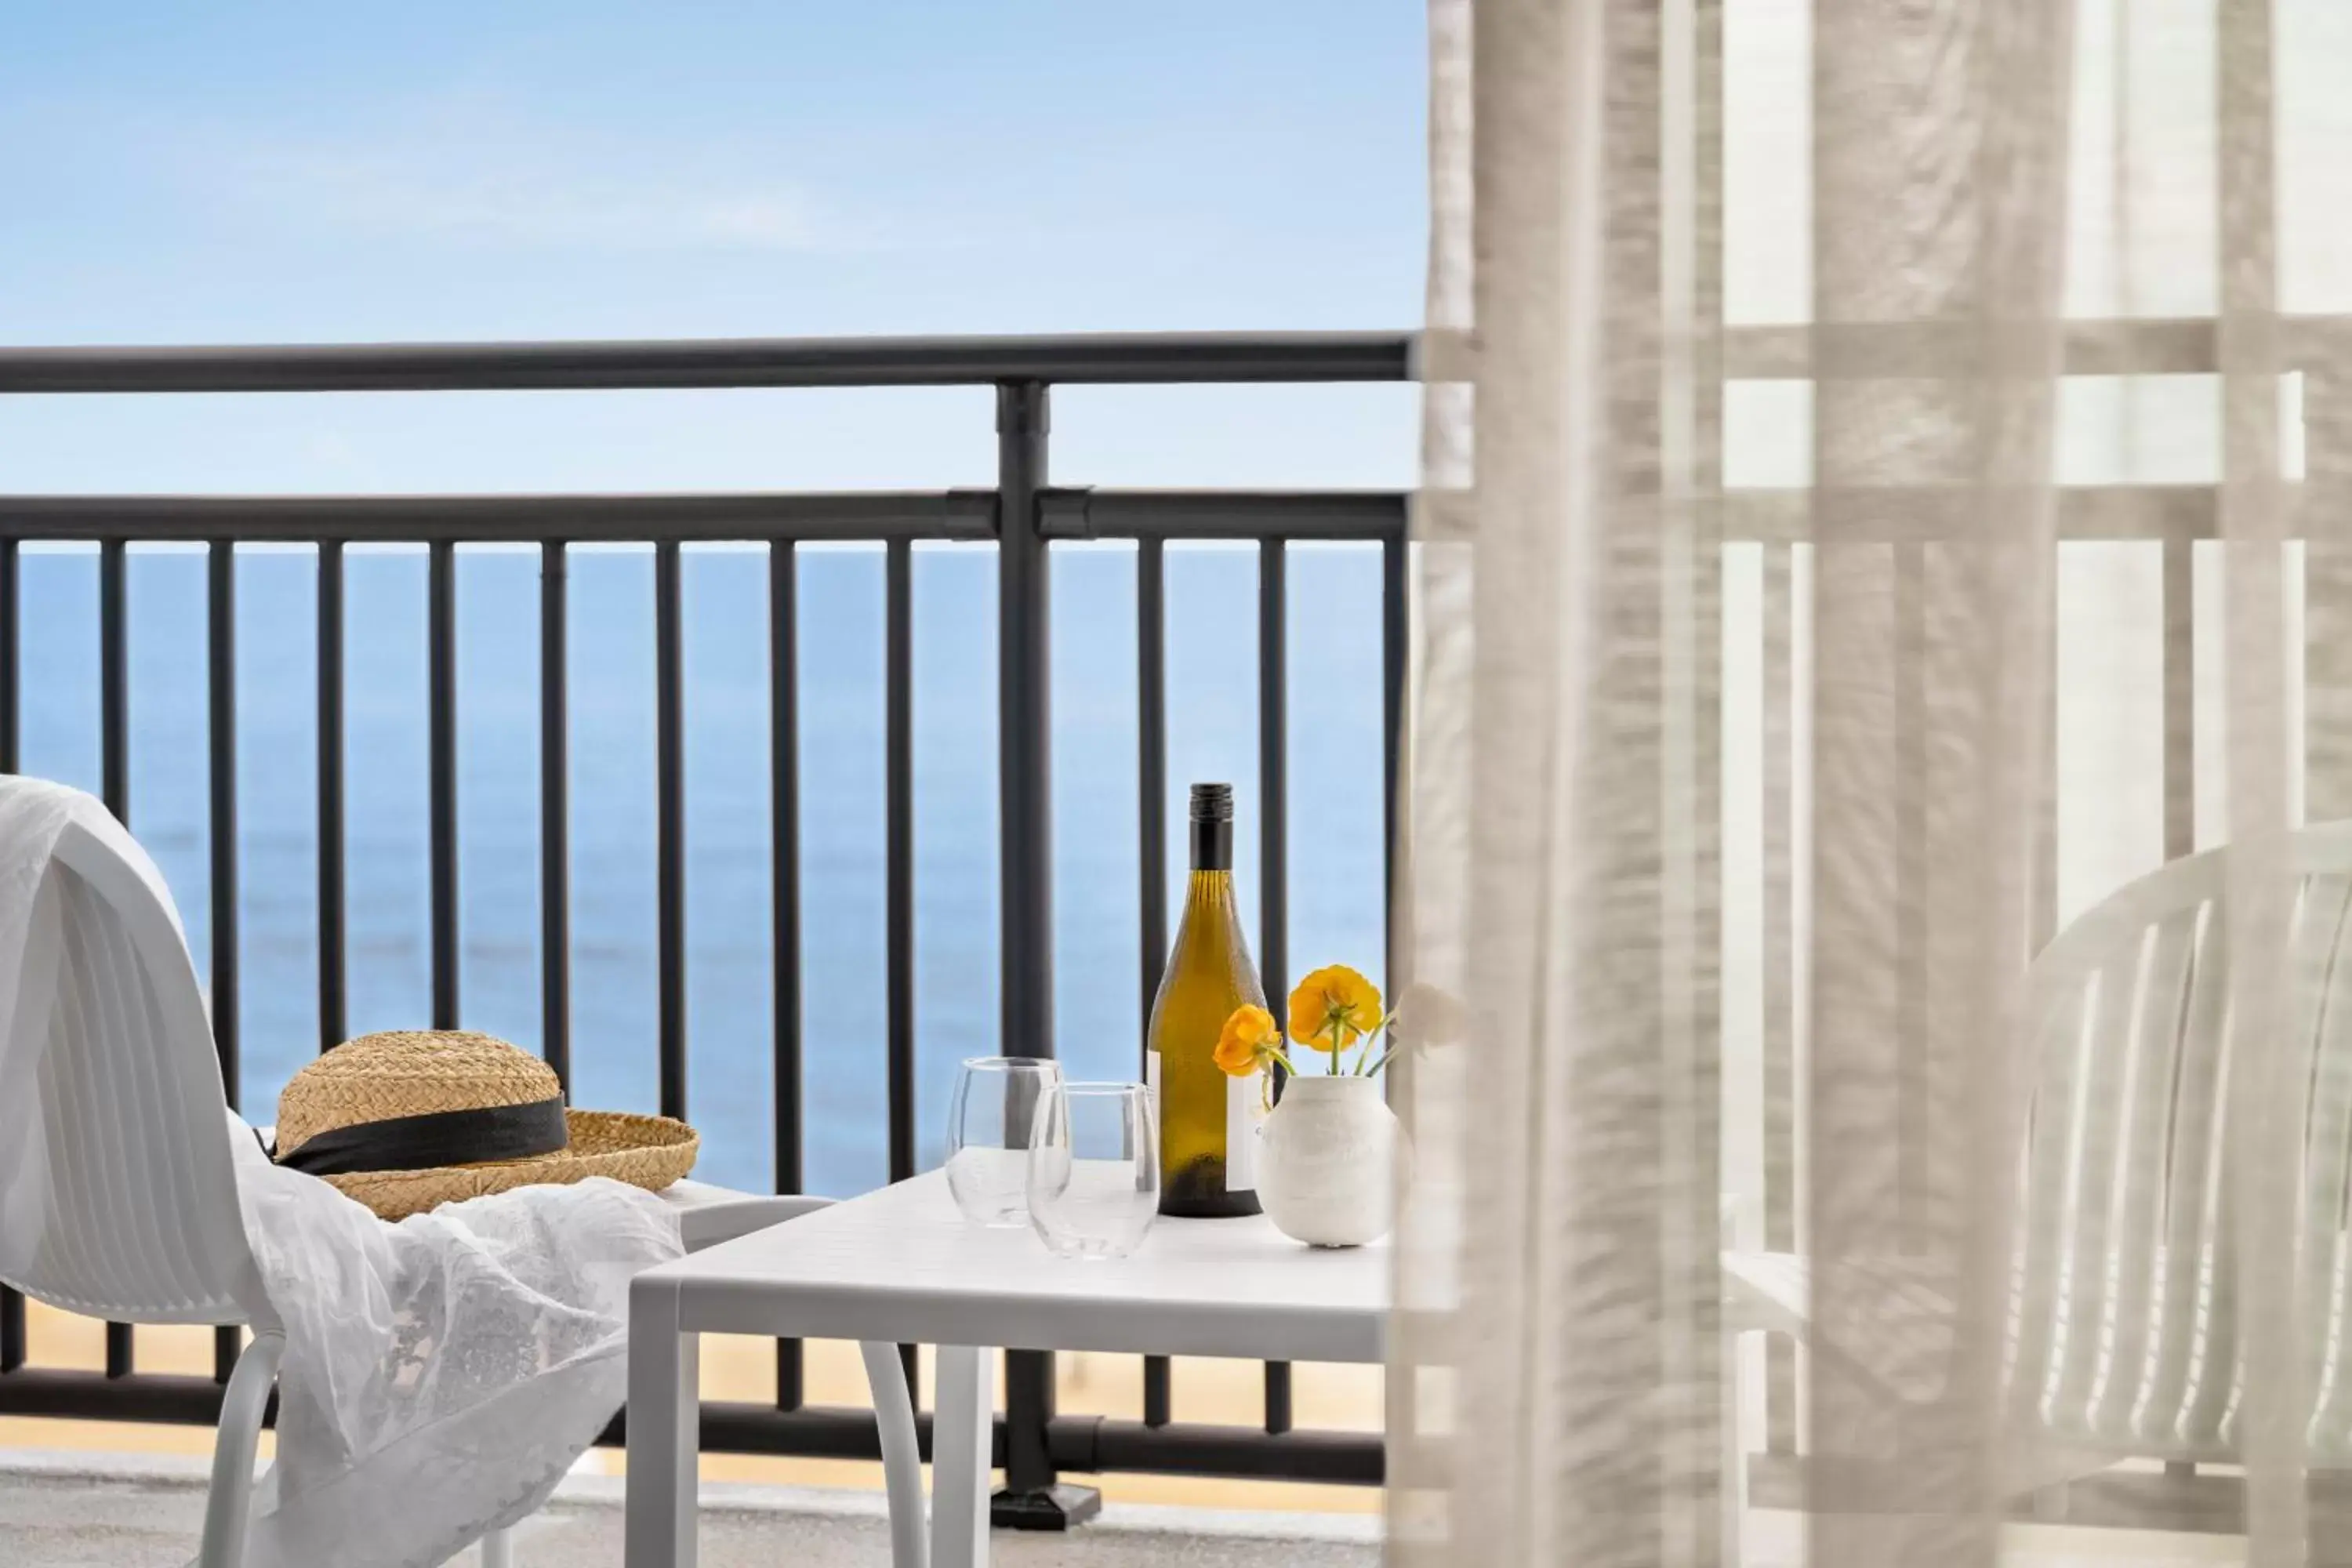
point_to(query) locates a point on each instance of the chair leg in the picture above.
(497, 1549)
(229, 1499)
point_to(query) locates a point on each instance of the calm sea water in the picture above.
(1335, 802)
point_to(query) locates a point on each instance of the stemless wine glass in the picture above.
(989, 1123)
(1094, 1169)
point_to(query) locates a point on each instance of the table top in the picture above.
(903, 1264)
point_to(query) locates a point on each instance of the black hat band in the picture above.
(436, 1139)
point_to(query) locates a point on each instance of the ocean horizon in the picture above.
(1334, 769)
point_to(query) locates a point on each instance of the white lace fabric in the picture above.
(441, 1374)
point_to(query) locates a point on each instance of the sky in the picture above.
(294, 172)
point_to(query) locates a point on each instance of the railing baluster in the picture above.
(115, 680)
(220, 670)
(220, 664)
(1151, 786)
(899, 870)
(898, 791)
(1395, 646)
(114, 770)
(669, 771)
(784, 800)
(1396, 629)
(1151, 763)
(554, 818)
(333, 952)
(441, 635)
(1274, 865)
(7, 655)
(12, 1305)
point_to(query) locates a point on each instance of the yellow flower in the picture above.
(1333, 1008)
(1248, 1038)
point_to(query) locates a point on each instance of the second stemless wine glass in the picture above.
(989, 1124)
(1094, 1170)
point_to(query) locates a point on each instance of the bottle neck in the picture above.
(1212, 845)
(1209, 892)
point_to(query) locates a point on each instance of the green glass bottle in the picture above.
(1208, 1120)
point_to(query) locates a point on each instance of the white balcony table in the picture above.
(901, 1265)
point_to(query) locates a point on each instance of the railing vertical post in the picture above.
(669, 793)
(114, 771)
(441, 634)
(554, 814)
(12, 1305)
(784, 805)
(1024, 761)
(7, 655)
(332, 971)
(899, 870)
(1151, 779)
(220, 671)
(220, 661)
(1396, 637)
(1274, 839)
(898, 792)
(1032, 1499)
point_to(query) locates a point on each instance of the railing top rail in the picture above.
(863, 515)
(1131, 358)
(1751, 352)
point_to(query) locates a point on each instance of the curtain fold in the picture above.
(1881, 465)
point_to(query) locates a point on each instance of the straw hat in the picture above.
(406, 1120)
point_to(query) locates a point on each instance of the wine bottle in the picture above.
(1208, 1120)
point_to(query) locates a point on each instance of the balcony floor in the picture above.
(130, 1510)
(142, 1510)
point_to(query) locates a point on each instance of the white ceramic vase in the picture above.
(1328, 1158)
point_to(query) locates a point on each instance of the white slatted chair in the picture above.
(120, 1201)
(2124, 1337)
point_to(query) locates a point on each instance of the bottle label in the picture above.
(1244, 1109)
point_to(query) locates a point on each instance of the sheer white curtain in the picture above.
(1882, 496)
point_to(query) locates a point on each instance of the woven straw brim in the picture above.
(648, 1152)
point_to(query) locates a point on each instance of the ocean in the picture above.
(1335, 793)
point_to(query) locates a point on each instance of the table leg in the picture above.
(962, 1422)
(665, 1429)
(902, 1457)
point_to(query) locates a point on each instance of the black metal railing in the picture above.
(1022, 514)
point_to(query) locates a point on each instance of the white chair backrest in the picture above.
(120, 1199)
(2127, 1335)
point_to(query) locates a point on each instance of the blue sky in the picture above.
(277, 172)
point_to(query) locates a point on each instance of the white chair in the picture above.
(2124, 1340)
(120, 1201)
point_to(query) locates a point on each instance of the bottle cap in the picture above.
(1213, 803)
